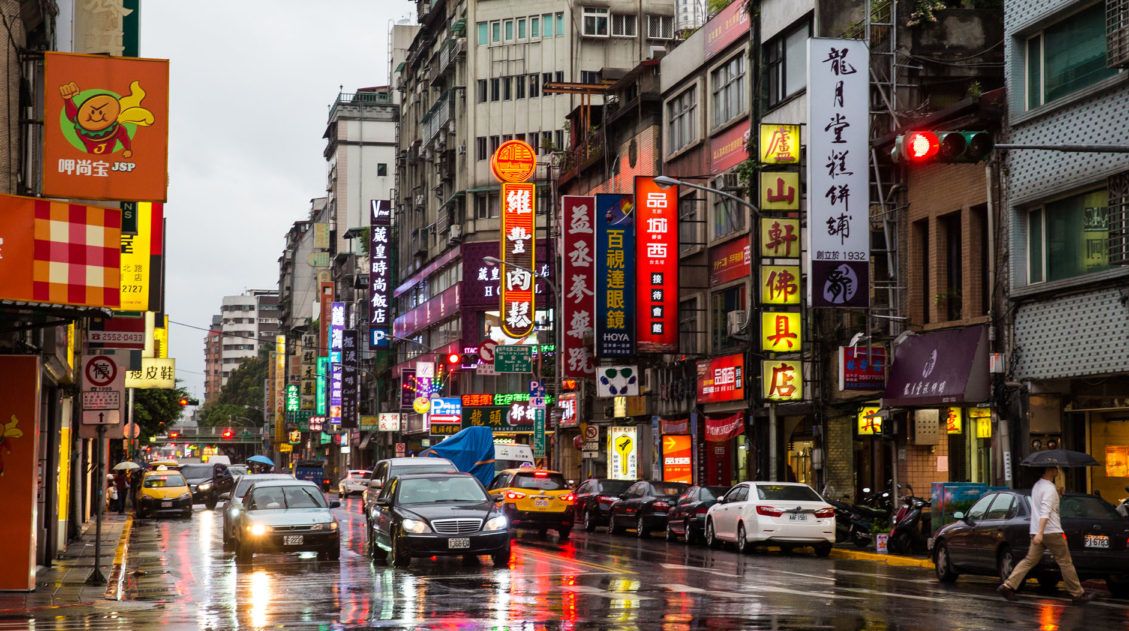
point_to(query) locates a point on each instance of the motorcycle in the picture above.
(909, 533)
(854, 523)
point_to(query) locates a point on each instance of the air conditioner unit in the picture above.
(657, 52)
(462, 149)
(455, 234)
(736, 322)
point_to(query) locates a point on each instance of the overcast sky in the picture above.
(251, 83)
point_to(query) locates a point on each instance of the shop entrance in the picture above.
(719, 463)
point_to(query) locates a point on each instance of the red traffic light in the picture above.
(228, 434)
(174, 434)
(183, 402)
(921, 146)
(454, 359)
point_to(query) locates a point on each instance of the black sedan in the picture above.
(437, 514)
(644, 507)
(995, 533)
(208, 482)
(687, 519)
(594, 499)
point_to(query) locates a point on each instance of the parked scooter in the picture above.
(909, 534)
(854, 523)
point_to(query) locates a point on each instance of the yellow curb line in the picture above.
(116, 584)
(888, 559)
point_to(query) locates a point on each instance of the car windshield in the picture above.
(1086, 507)
(437, 490)
(280, 497)
(787, 493)
(614, 487)
(412, 469)
(164, 481)
(540, 481)
(196, 471)
(246, 481)
(668, 489)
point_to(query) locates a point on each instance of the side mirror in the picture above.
(335, 504)
(960, 516)
(722, 500)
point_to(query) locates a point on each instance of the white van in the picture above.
(219, 459)
(512, 456)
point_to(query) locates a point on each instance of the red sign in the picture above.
(675, 426)
(729, 148)
(861, 368)
(326, 306)
(656, 255)
(721, 379)
(570, 412)
(678, 459)
(19, 464)
(719, 430)
(514, 161)
(119, 331)
(519, 227)
(728, 26)
(578, 283)
(730, 261)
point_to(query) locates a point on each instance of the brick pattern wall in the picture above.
(919, 469)
(838, 447)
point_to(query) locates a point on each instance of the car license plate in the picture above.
(1097, 541)
(292, 540)
(166, 504)
(541, 502)
(797, 517)
(458, 543)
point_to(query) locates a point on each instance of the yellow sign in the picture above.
(622, 453)
(421, 405)
(150, 325)
(161, 339)
(869, 423)
(295, 437)
(779, 144)
(982, 417)
(780, 284)
(780, 332)
(954, 420)
(137, 250)
(780, 190)
(157, 373)
(782, 380)
(285, 448)
(780, 238)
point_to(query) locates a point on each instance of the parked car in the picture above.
(312, 471)
(594, 499)
(643, 506)
(355, 481)
(437, 514)
(687, 518)
(995, 533)
(233, 509)
(163, 491)
(387, 469)
(535, 499)
(287, 516)
(208, 482)
(787, 514)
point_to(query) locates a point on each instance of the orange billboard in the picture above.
(19, 461)
(678, 459)
(105, 127)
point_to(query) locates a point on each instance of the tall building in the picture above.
(213, 359)
(249, 323)
(690, 14)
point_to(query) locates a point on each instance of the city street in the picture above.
(595, 581)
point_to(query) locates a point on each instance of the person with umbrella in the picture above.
(260, 464)
(1046, 525)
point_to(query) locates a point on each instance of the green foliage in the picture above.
(240, 398)
(151, 408)
(217, 414)
(717, 5)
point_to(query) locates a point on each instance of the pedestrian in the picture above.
(1046, 534)
(121, 487)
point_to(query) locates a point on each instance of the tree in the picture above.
(219, 414)
(240, 398)
(156, 410)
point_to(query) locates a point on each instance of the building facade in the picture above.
(249, 322)
(213, 359)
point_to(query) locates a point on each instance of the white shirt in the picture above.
(1044, 503)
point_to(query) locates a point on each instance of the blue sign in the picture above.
(336, 331)
(615, 275)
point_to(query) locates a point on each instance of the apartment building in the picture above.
(248, 324)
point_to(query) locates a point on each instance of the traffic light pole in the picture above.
(1068, 148)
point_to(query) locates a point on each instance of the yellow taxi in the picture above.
(164, 491)
(161, 465)
(535, 499)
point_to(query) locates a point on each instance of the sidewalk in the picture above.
(855, 554)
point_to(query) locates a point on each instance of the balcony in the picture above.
(436, 119)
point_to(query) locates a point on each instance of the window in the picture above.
(1001, 507)
(954, 265)
(483, 209)
(507, 137)
(519, 87)
(381, 169)
(1067, 57)
(559, 76)
(534, 91)
(979, 508)
(623, 25)
(595, 22)
(689, 224)
(786, 493)
(547, 18)
(534, 142)
(589, 76)
(660, 26)
(480, 148)
(495, 32)
(558, 139)
(1068, 237)
(721, 303)
(495, 89)
(689, 340)
(547, 141)
(521, 28)
(483, 35)
(509, 26)
(546, 77)
(728, 216)
(535, 27)
(786, 60)
(507, 88)
(682, 127)
(560, 24)
(729, 90)
(495, 142)
(482, 90)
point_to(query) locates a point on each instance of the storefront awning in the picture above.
(940, 367)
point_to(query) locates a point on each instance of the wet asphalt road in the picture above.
(595, 581)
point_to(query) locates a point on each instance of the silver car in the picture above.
(234, 505)
(286, 516)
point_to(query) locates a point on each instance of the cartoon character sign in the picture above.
(101, 121)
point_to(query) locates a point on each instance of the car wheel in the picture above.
(1118, 586)
(690, 536)
(900, 543)
(943, 565)
(563, 534)
(641, 528)
(711, 537)
(187, 514)
(243, 553)
(334, 553)
(501, 558)
(589, 521)
(398, 555)
(1005, 563)
(210, 503)
(614, 527)
(743, 546)
(823, 550)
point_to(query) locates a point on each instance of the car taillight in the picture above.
(769, 511)
(702, 510)
(540, 474)
(570, 498)
(514, 495)
(661, 506)
(606, 499)
(824, 513)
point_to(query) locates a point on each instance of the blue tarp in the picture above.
(472, 451)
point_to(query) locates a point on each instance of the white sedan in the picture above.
(355, 482)
(786, 514)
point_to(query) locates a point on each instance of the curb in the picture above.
(116, 581)
(888, 559)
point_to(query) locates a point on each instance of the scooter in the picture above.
(853, 523)
(908, 533)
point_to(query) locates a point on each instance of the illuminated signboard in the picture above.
(615, 276)
(380, 270)
(779, 144)
(519, 231)
(578, 279)
(781, 332)
(782, 380)
(656, 255)
(721, 379)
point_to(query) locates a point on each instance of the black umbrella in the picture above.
(1059, 458)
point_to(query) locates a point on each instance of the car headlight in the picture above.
(257, 530)
(317, 526)
(207, 486)
(333, 525)
(415, 526)
(496, 523)
(233, 511)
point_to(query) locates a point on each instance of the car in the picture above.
(387, 469)
(312, 471)
(163, 491)
(355, 481)
(788, 514)
(287, 516)
(993, 536)
(535, 499)
(643, 506)
(237, 470)
(687, 518)
(233, 509)
(208, 482)
(437, 514)
(594, 499)
(163, 465)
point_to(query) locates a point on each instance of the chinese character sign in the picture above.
(380, 273)
(780, 284)
(519, 232)
(349, 382)
(514, 161)
(578, 282)
(869, 422)
(782, 380)
(780, 238)
(721, 379)
(615, 275)
(838, 191)
(780, 332)
(656, 255)
(954, 421)
(336, 331)
(780, 190)
(155, 374)
(623, 452)
(278, 386)
(779, 144)
(105, 127)
(141, 231)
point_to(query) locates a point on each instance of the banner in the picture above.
(615, 276)
(105, 127)
(678, 459)
(380, 273)
(719, 430)
(578, 278)
(19, 466)
(623, 450)
(519, 229)
(656, 254)
(349, 381)
(721, 379)
(838, 189)
(155, 374)
(675, 426)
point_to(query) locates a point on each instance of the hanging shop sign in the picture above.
(517, 417)
(862, 368)
(514, 161)
(407, 388)
(570, 410)
(336, 331)
(780, 190)
(719, 430)
(869, 423)
(380, 273)
(120, 331)
(446, 411)
(678, 460)
(157, 373)
(349, 379)
(780, 284)
(388, 422)
(721, 379)
(656, 255)
(623, 450)
(105, 128)
(838, 191)
(730, 261)
(579, 301)
(519, 229)
(141, 237)
(322, 385)
(292, 399)
(615, 276)
(498, 399)
(780, 238)
(675, 426)
(954, 420)
(781, 332)
(783, 380)
(779, 144)
(617, 381)
(981, 418)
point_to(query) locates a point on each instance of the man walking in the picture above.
(1046, 534)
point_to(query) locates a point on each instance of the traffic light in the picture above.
(174, 435)
(183, 402)
(454, 360)
(924, 147)
(227, 434)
